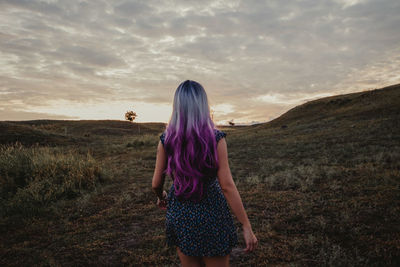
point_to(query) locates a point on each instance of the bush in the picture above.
(34, 177)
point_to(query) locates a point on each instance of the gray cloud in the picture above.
(132, 9)
(81, 51)
(17, 115)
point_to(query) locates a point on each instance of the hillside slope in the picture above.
(366, 105)
(13, 132)
(66, 132)
(322, 191)
(93, 127)
(324, 177)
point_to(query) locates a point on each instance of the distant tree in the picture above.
(231, 123)
(131, 116)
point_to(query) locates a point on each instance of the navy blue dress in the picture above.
(201, 229)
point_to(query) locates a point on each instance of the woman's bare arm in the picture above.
(228, 185)
(232, 196)
(159, 176)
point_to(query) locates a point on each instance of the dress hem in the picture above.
(226, 252)
(187, 253)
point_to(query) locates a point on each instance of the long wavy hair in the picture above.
(190, 142)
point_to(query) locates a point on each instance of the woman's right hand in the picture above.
(249, 238)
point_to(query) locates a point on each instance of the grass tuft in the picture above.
(31, 178)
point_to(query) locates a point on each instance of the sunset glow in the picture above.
(98, 59)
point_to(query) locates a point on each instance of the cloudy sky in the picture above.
(256, 59)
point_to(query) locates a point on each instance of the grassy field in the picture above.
(321, 186)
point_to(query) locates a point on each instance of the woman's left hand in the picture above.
(162, 203)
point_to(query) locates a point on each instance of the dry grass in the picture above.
(32, 178)
(324, 190)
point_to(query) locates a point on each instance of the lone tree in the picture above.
(131, 116)
(231, 123)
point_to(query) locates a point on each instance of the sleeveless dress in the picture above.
(201, 229)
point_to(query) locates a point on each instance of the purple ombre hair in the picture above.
(190, 142)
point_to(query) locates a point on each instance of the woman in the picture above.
(194, 154)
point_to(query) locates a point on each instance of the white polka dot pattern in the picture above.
(201, 229)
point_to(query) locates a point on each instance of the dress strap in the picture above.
(219, 134)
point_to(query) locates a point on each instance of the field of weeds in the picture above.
(318, 191)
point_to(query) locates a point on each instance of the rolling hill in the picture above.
(320, 185)
(68, 132)
(353, 108)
